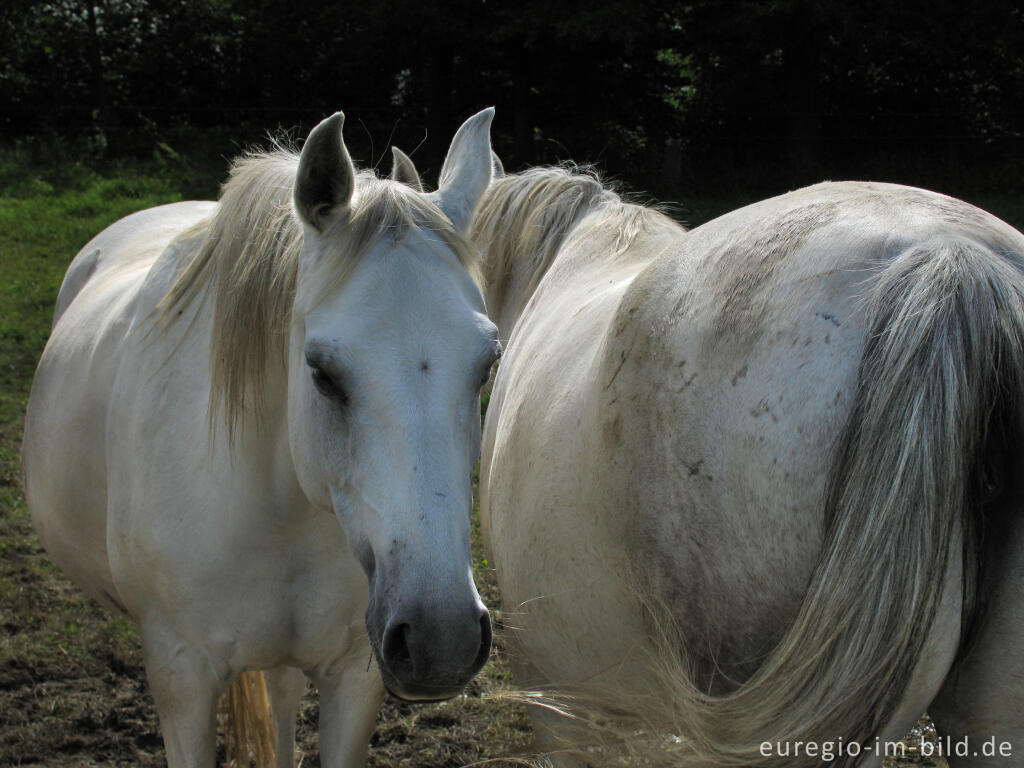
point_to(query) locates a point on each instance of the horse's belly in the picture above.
(565, 583)
(550, 505)
(64, 451)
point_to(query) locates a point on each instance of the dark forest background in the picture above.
(726, 98)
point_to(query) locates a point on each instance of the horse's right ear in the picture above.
(404, 171)
(326, 177)
(466, 171)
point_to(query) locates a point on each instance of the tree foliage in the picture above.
(745, 93)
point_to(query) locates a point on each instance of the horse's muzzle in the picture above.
(431, 659)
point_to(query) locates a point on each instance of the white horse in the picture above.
(247, 410)
(781, 447)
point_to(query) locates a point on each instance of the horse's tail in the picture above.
(250, 725)
(936, 408)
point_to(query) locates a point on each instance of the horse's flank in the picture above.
(249, 256)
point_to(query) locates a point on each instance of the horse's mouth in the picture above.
(418, 694)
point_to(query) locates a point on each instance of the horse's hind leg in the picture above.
(286, 686)
(981, 704)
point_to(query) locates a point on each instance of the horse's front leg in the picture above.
(286, 685)
(350, 697)
(186, 688)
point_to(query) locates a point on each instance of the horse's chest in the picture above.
(311, 609)
(254, 595)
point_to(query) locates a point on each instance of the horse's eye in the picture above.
(327, 386)
(487, 371)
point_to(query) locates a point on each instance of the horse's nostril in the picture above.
(485, 642)
(396, 647)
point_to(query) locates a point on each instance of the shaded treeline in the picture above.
(754, 95)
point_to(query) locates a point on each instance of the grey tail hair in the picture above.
(936, 409)
(943, 354)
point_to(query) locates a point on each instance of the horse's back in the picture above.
(64, 452)
(134, 240)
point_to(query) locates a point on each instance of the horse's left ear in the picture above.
(326, 177)
(497, 167)
(467, 170)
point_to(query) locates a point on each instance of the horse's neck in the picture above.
(507, 294)
(595, 248)
(257, 444)
(260, 445)
(513, 270)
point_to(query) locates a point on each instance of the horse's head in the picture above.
(389, 348)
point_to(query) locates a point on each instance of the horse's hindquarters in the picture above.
(758, 453)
